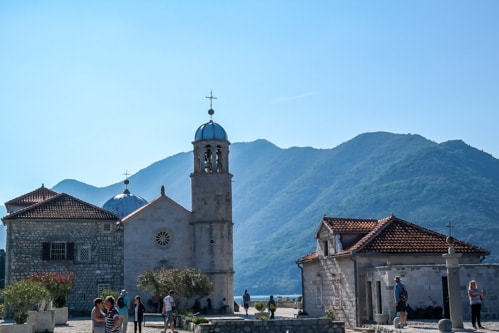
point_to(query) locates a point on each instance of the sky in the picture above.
(90, 89)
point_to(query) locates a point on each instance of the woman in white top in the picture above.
(98, 317)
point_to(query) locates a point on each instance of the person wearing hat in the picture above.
(400, 295)
(123, 307)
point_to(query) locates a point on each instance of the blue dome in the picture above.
(210, 131)
(124, 203)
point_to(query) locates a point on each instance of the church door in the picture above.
(445, 294)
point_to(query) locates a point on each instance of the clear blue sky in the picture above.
(89, 89)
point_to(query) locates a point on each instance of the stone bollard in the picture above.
(397, 323)
(445, 325)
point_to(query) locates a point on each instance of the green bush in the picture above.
(260, 306)
(330, 314)
(200, 320)
(20, 296)
(299, 298)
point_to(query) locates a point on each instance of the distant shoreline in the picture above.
(254, 298)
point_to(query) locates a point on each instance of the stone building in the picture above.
(47, 232)
(356, 260)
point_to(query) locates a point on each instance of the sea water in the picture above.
(254, 298)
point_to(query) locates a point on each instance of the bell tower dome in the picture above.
(212, 208)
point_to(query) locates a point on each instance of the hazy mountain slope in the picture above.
(279, 195)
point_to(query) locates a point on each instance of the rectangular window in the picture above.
(103, 286)
(84, 253)
(326, 248)
(107, 227)
(105, 254)
(58, 251)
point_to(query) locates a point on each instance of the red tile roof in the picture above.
(392, 235)
(62, 206)
(309, 257)
(31, 198)
(344, 225)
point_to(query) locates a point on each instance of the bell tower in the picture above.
(212, 209)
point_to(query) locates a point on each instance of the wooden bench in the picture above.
(177, 322)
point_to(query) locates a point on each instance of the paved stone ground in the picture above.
(82, 325)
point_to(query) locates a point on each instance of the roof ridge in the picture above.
(26, 195)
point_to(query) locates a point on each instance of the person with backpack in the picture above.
(271, 305)
(123, 303)
(401, 296)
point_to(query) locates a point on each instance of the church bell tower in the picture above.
(212, 209)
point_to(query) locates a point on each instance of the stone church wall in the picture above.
(97, 262)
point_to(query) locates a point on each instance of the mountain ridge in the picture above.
(280, 195)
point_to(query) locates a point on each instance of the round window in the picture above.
(163, 238)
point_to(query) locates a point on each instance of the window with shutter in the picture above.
(70, 251)
(46, 251)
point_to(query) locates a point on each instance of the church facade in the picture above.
(122, 244)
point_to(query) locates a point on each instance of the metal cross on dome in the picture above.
(211, 98)
(126, 174)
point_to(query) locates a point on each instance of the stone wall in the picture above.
(424, 283)
(319, 325)
(24, 255)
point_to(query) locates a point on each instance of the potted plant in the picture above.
(260, 307)
(20, 296)
(59, 286)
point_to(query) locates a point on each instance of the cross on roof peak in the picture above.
(450, 226)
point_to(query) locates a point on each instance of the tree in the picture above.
(20, 296)
(187, 283)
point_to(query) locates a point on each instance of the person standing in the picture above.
(155, 303)
(246, 301)
(271, 305)
(98, 317)
(168, 306)
(113, 319)
(138, 314)
(475, 297)
(400, 295)
(123, 307)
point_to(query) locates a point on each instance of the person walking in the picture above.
(123, 307)
(246, 301)
(113, 319)
(401, 297)
(475, 297)
(98, 317)
(271, 305)
(138, 312)
(168, 306)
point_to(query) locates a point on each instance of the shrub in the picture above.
(330, 314)
(299, 299)
(20, 296)
(58, 284)
(200, 320)
(260, 306)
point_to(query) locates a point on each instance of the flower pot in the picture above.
(43, 321)
(17, 328)
(61, 315)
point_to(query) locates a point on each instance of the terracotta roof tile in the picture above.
(62, 206)
(344, 225)
(31, 198)
(309, 257)
(394, 235)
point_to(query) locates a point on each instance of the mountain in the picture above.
(280, 195)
